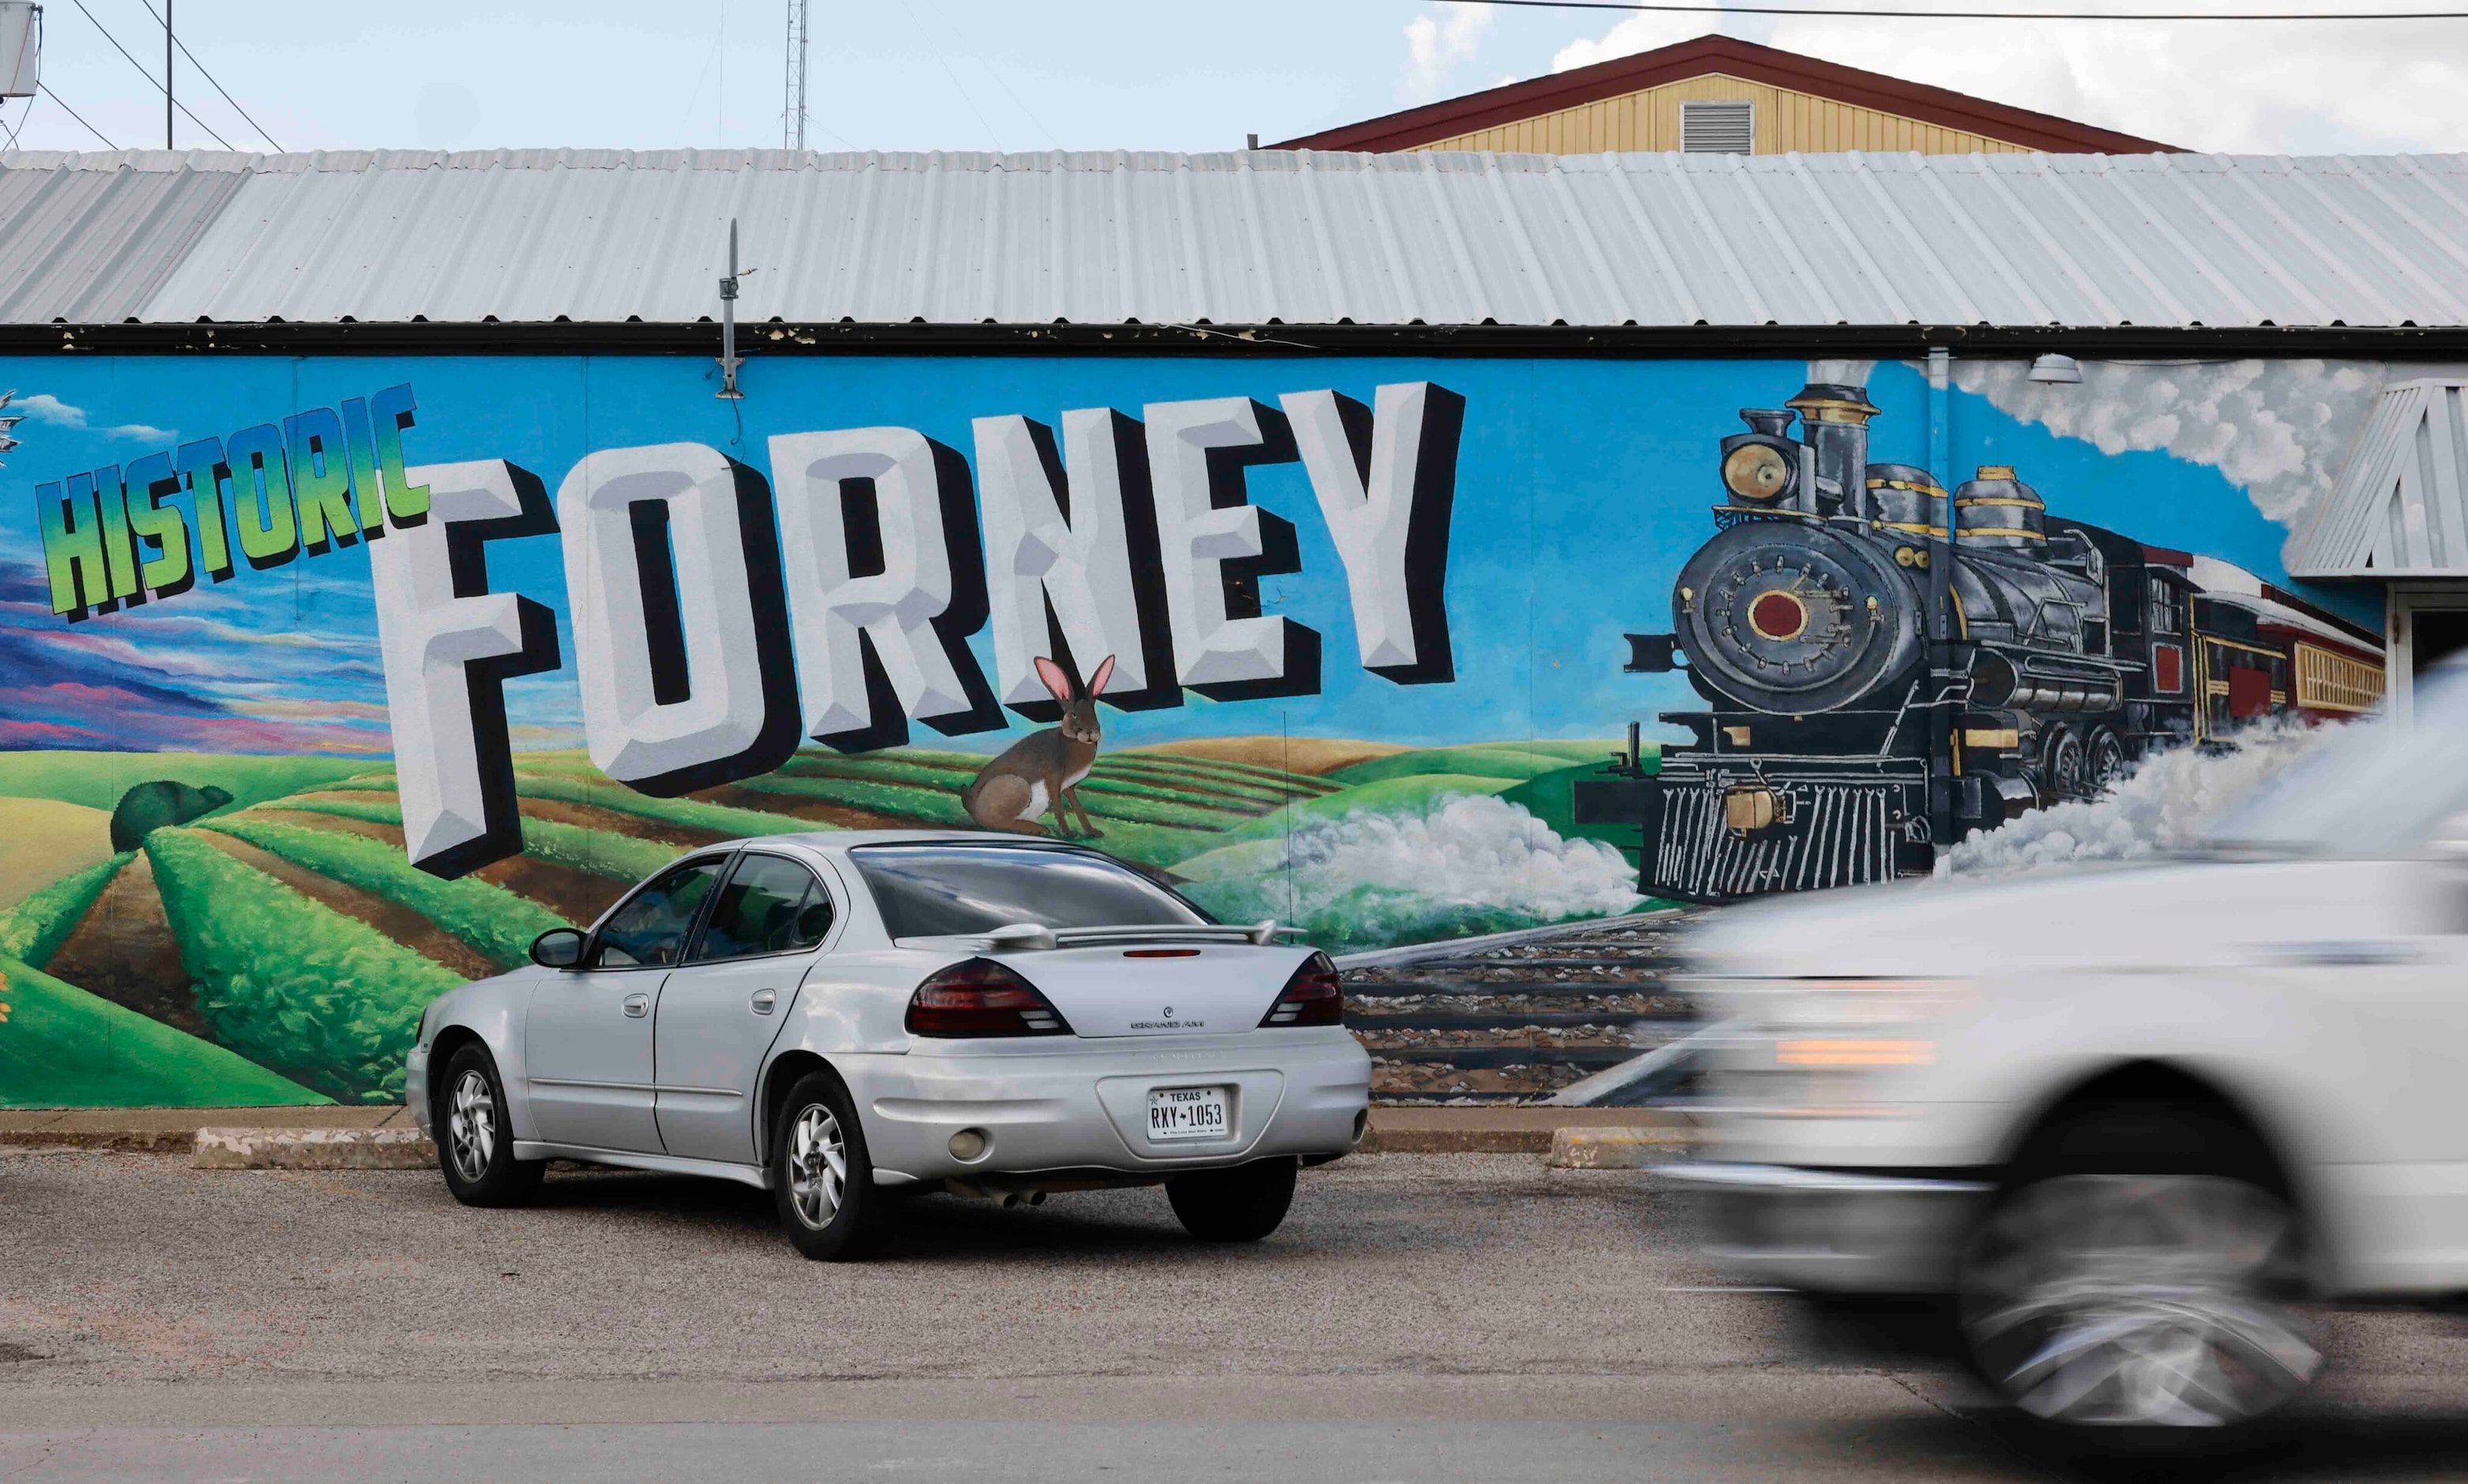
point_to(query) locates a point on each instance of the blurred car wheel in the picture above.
(2139, 1300)
(1242, 1204)
(475, 1144)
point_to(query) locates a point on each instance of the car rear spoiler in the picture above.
(1031, 937)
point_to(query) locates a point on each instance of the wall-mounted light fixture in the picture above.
(2056, 370)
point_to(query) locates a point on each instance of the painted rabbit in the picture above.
(1043, 771)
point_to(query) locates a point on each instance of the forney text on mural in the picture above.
(718, 617)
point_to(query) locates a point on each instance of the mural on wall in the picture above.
(327, 684)
(1838, 750)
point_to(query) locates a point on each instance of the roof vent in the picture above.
(1725, 128)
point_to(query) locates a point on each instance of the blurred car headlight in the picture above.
(1816, 1046)
(1853, 1051)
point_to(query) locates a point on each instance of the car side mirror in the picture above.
(559, 947)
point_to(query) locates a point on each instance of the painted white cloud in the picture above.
(1437, 41)
(44, 407)
(2296, 88)
(2278, 429)
(2168, 803)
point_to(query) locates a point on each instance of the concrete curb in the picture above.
(173, 1130)
(1503, 1130)
(291, 1133)
(1617, 1148)
(313, 1149)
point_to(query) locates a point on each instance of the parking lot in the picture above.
(1482, 1312)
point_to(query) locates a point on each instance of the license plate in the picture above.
(1187, 1113)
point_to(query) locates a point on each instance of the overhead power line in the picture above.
(1865, 13)
(73, 114)
(157, 85)
(217, 86)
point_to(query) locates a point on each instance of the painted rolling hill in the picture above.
(277, 947)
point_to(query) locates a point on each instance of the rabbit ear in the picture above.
(1105, 673)
(1054, 679)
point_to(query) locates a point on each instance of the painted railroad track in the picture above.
(1510, 1022)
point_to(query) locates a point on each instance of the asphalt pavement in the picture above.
(1419, 1316)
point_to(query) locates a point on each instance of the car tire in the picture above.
(821, 1176)
(2144, 1274)
(475, 1136)
(1242, 1204)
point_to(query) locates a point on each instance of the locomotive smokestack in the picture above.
(1834, 418)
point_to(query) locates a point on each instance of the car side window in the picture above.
(771, 904)
(650, 928)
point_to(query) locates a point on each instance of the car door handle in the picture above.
(638, 1006)
(764, 1001)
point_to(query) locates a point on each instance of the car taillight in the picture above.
(1312, 997)
(981, 998)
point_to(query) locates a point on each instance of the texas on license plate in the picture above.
(1187, 1113)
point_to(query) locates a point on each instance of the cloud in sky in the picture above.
(1437, 41)
(44, 407)
(2296, 87)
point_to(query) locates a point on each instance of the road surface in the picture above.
(1418, 1318)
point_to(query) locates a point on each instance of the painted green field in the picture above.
(287, 982)
(97, 779)
(62, 1048)
(1514, 761)
(33, 930)
(488, 918)
(692, 813)
(306, 995)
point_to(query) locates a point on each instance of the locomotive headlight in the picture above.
(1756, 471)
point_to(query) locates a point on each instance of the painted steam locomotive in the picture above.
(1847, 739)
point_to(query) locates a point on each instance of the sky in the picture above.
(1156, 74)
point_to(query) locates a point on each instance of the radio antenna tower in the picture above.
(792, 117)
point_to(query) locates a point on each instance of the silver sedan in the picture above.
(841, 1018)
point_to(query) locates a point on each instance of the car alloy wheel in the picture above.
(817, 1166)
(2138, 1301)
(471, 1126)
(475, 1133)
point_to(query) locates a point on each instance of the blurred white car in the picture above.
(2138, 1119)
(838, 1016)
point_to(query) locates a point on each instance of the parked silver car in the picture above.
(841, 1016)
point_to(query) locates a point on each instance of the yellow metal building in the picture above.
(1717, 95)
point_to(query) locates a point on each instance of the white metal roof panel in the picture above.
(2401, 506)
(1239, 238)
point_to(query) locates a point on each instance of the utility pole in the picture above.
(167, 74)
(792, 115)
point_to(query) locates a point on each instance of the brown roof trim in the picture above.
(1941, 107)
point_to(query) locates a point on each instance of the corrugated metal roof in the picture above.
(2401, 506)
(90, 246)
(1247, 238)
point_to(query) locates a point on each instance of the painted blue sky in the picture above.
(1582, 486)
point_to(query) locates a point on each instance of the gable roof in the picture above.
(1435, 121)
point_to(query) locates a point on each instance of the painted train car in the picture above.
(2072, 651)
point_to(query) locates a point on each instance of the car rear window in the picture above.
(926, 890)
